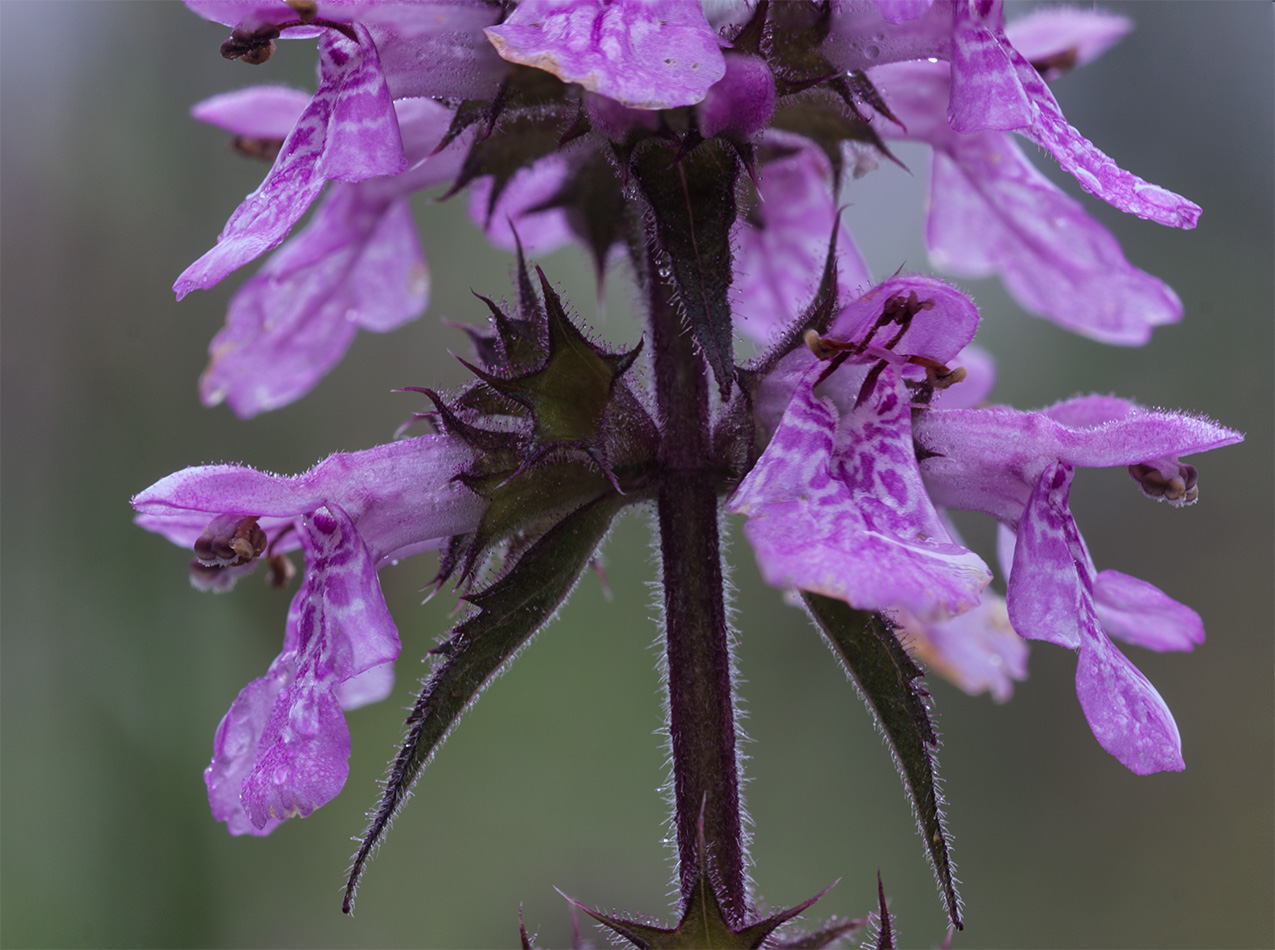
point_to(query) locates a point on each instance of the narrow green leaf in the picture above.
(510, 613)
(886, 677)
(692, 202)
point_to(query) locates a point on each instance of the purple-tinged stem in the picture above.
(700, 690)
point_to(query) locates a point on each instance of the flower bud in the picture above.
(742, 101)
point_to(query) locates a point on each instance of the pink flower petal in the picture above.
(1126, 713)
(977, 650)
(1140, 613)
(991, 212)
(836, 506)
(401, 495)
(349, 131)
(1047, 32)
(1047, 594)
(259, 112)
(339, 629)
(646, 54)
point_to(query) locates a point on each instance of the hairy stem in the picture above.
(700, 689)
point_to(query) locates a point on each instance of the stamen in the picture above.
(942, 377)
(822, 347)
(869, 383)
(897, 310)
(230, 540)
(1169, 480)
(254, 44)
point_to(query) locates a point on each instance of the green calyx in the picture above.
(554, 424)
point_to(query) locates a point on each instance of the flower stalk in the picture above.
(700, 684)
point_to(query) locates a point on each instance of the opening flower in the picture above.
(281, 750)
(1018, 467)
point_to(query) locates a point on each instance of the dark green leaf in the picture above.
(886, 677)
(510, 612)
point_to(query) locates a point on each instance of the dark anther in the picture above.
(265, 149)
(255, 44)
(209, 577)
(1177, 487)
(252, 46)
(943, 378)
(227, 542)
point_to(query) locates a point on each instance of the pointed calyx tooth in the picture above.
(1168, 480)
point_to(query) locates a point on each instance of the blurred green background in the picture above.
(116, 672)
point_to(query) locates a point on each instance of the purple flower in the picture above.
(992, 212)
(357, 264)
(938, 324)
(835, 504)
(281, 749)
(742, 101)
(348, 131)
(995, 87)
(645, 54)
(432, 49)
(1018, 467)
